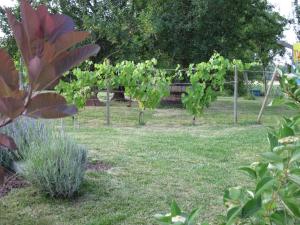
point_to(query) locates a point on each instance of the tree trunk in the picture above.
(194, 121)
(141, 118)
(119, 94)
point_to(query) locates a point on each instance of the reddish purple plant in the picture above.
(46, 42)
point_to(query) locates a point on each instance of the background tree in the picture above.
(175, 31)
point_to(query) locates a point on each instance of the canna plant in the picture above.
(46, 42)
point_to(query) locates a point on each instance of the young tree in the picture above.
(145, 83)
(206, 79)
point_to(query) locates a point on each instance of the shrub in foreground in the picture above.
(56, 167)
(25, 132)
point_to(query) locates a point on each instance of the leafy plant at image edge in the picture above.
(44, 41)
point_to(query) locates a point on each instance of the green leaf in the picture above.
(175, 210)
(262, 169)
(286, 131)
(251, 207)
(295, 156)
(264, 185)
(271, 156)
(292, 206)
(233, 193)
(193, 217)
(273, 140)
(251, 172)
(278, 217)
(232, 214)
(292, 105)
(163, 218)
(277, 101)
(294, 178)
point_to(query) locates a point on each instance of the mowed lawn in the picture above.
(151, 165)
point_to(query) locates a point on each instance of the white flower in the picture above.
(177, 219)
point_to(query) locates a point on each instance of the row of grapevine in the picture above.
(147, 84)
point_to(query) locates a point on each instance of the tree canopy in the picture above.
(174, 31)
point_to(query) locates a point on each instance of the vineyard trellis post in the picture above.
(235, 97)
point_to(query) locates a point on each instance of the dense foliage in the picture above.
(77, 90)
(206, 78)
(145, 83)
(174, 31)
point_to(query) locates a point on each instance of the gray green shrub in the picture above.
(56, 166)
(26, 131)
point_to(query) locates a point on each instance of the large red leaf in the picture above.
(64, 62)
(67, 40)
(45, 79)
(67, 60)
(20, 36)
(63, 24)
(53, 26)
(5, 90)
(49, 106)
(30, 21)
(34, 70)
(7, 142)
(8, 71)
(11, 107)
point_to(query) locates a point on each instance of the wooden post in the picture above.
(107, 105)
(235, 97)
(266, 96)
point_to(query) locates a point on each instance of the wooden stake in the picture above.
(235, 97)
(266, 96)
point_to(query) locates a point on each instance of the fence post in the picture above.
(266, 96)
(235, 98)
(107, 104)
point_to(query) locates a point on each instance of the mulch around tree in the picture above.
(12, 181)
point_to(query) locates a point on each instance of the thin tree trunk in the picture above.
(141, 118)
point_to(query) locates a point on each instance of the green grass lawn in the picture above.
(151, 165)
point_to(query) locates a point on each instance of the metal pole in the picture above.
(235, 98)
(266, 96)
